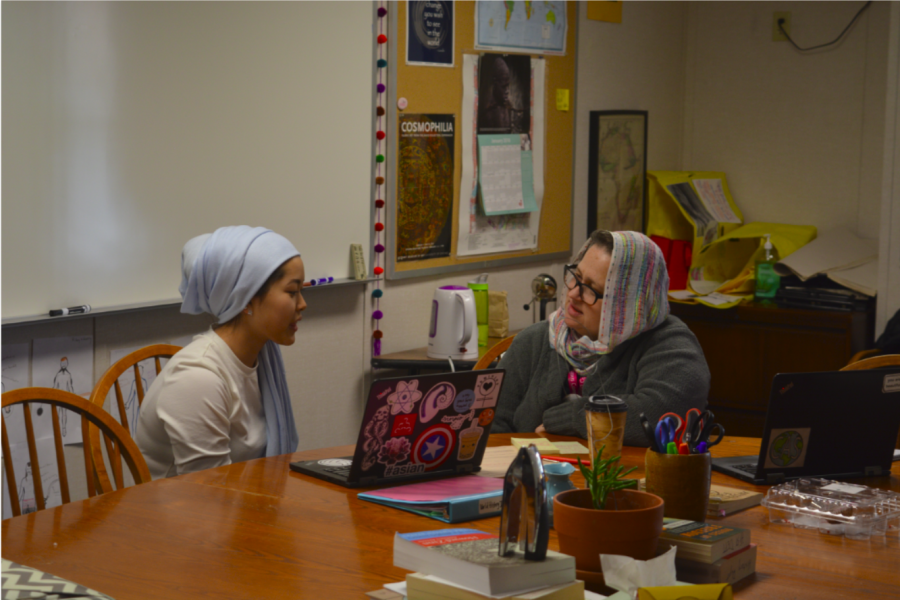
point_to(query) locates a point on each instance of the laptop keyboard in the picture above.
(340, 471)
(749, 468)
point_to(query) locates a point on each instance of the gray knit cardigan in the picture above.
(658, 371)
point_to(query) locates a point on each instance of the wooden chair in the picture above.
(875, 362)
(91, 415)
(109, 381)
(491, 355)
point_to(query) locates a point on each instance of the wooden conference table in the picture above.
(257, 530)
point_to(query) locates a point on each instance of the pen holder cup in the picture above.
(682, 481)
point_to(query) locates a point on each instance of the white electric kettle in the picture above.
(453, 330)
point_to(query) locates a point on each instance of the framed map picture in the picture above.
(617, 168)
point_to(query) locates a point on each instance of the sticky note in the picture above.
(543, 444)
(562, 100)
(571, 448)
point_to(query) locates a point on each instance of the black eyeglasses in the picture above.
(585, 292)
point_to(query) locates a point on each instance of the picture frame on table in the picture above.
(617, 170)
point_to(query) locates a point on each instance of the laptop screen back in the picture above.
(426, 424)
(831, 424)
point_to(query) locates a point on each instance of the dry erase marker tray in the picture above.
(834, 507)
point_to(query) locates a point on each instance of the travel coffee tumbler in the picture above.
(605, 425)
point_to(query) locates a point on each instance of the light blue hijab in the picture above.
(221, 272)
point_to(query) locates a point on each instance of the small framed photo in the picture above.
(617, 189)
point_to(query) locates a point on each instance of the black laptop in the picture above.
(417, 428)
(833, 424)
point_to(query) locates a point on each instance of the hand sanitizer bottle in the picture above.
(767, 280)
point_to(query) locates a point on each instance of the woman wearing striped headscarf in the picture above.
(614, 335)
(223, 398)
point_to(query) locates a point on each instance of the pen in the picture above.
(574, 461)
(72, 310)
(672, 448)
(321, 281)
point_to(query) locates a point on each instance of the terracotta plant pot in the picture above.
(585, 532)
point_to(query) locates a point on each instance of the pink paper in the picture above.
(435, 491)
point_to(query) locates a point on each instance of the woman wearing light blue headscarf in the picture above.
(223, 398)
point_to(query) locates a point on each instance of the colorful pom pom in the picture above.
(382, 11)
(377, 293)
(378, 270)
(377, 314)
(380, 88)
(379, 248)
(379, 111)
(379, 203)
(382, 38)
(377, 334)
(379, 226)
(379, 135)
(379, 158)
(379, 181)
(381, 63)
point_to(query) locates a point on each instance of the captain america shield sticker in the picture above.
(433, 446)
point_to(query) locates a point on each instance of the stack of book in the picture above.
(709, 553)
(464, 564)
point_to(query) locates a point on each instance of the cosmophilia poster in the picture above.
(425, 186)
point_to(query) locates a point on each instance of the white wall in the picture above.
(635, 65)
(889, 247)
(800, 135)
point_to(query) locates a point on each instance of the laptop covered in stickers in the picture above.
(417, 427)
(831, 424)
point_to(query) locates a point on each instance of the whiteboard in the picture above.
(130, 127)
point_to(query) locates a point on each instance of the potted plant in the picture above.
(607, 518)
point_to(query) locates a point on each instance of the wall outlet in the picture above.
(777, 35)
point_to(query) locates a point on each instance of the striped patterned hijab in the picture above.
(635, 300)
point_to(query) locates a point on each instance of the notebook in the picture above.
(833, 424)
(417, 427)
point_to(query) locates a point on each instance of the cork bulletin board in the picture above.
(439, 91)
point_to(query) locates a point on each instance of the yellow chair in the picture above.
(91, 416)
(502, 346)
(109, 381)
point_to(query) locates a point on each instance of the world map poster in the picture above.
(425, 186)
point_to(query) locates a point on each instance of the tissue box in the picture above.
(716, 591)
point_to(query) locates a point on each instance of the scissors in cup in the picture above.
(700, 429)
(666, 431)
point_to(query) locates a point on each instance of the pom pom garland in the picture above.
(377, 314)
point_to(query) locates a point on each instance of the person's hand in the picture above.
(540, 429)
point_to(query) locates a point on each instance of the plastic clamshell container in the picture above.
(834, 507)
